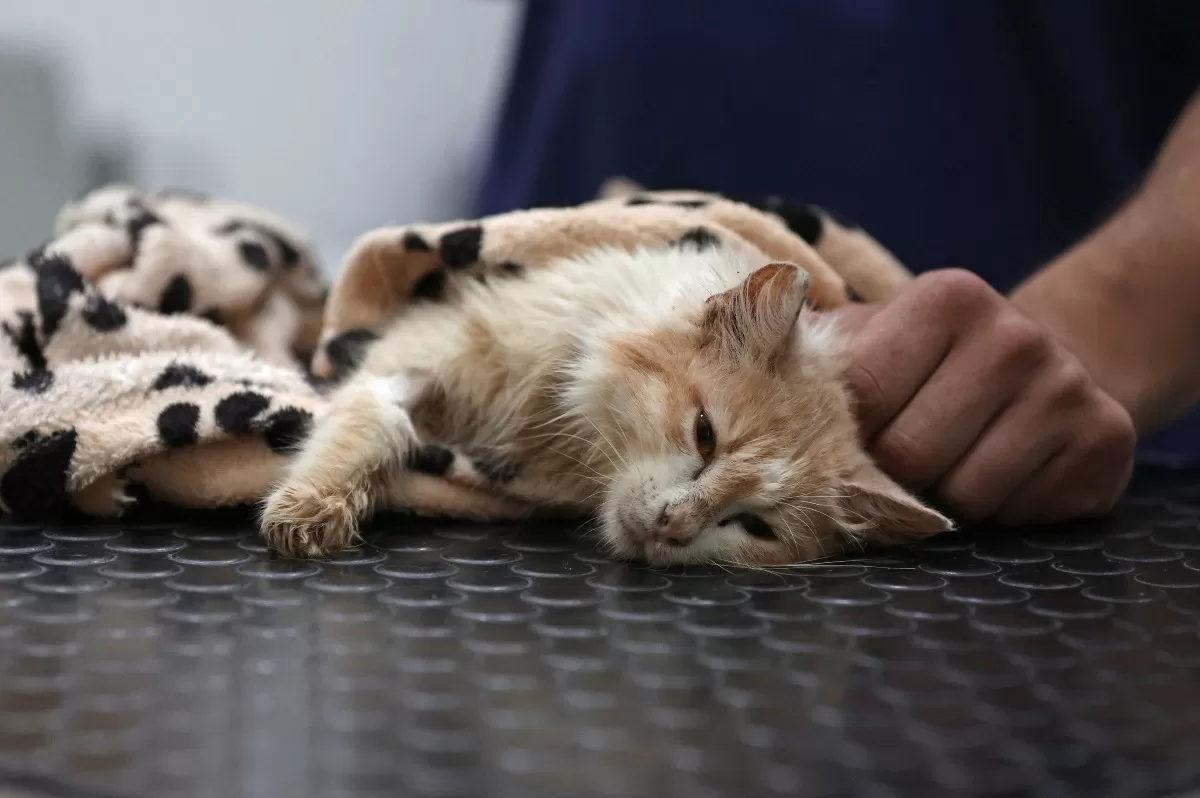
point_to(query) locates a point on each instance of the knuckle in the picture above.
(1102, 464)
(1113, 432)
(1018, 342)
(1120, 437)
(959, 290)
(1074, 384)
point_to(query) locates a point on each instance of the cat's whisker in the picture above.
(567, 435)
(624, 437)
(788, 527)
(599, 476)
(713, 562)
(564, 414)
(595, 447)
(810, 507)
(592, 495)
(583, 524)
(600, 432)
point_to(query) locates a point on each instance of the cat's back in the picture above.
(527, 323)
(603, 285)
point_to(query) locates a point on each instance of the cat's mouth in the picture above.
(642, 543)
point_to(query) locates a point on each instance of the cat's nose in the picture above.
(670, 531)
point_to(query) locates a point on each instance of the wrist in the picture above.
(1097, 304)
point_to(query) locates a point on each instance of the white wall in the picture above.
(342, 114)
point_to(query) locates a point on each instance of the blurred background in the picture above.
(341, 115)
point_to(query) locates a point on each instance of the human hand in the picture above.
(963, 397)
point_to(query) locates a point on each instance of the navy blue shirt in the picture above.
(987, 134)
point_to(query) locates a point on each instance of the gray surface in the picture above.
(183, 660)
(37, 170)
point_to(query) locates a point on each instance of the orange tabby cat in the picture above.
(687, 397)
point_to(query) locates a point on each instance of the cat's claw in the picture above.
(302, 522)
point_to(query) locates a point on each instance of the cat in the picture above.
(688, 398)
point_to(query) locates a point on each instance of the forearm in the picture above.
(1126, 301)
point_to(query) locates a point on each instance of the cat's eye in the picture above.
(754, 526)
(706, 436)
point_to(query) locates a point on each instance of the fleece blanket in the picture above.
(172, 349)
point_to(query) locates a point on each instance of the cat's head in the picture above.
(733, 437)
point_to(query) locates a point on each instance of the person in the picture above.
(1009, 151)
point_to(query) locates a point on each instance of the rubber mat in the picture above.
(181, 659)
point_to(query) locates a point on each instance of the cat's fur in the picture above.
(586, 381)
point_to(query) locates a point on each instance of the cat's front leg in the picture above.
(335, 479)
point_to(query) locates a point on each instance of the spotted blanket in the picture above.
(173, 349)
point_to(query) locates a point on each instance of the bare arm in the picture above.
(1126, 300)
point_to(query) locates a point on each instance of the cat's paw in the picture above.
(300, 520)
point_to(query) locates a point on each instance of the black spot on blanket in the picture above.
(690, 205)
(255, 255)
(236, 413)
(288, 252)
(180, 375)
(137, 225)
(431, 459)
(177, 424)
(57, 280)
(26, 341)
(346, 350)
(460, 248)
(431, 286)
(34, 256)
(177, 296)
(36, 484)
(639, 200)
(35, 381)
(803, 220)
(700, 238)
(287, 428)
(103, 315)
(414, 242)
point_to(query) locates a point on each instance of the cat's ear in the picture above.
(757, 316)
(878, 510)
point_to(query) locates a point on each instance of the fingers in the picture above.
(1018, 445)
(981, 377)
(898, 349)
(1086, 478)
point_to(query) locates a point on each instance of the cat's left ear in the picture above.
(757, 316)
(878, 510)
